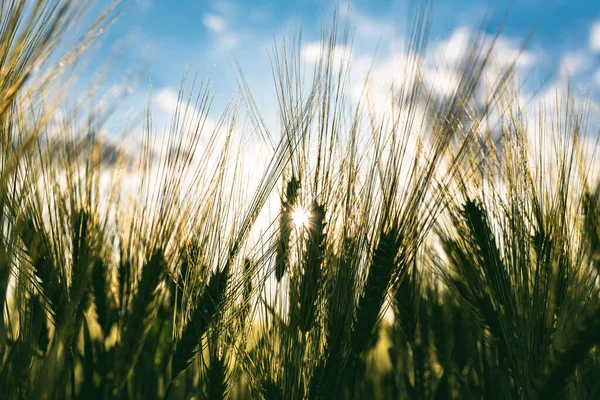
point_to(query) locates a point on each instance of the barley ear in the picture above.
(285, 227)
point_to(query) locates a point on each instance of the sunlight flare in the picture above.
(300, 217)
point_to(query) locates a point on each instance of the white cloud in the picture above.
(214, 23)
(228, 40)
(453, 49)
(167, 99)
(443, 81)
(189, 116)
(225, 39)
(509, 50)
(575, 62)
(444, 59)
(594, 41)
(506, 50)
(313, 51)
(597, 78)
(440, 66)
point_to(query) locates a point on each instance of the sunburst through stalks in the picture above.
(301, 217)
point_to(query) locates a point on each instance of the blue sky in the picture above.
(164, 36)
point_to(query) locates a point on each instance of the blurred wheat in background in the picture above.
(433, 244)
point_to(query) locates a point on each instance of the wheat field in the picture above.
(414, 251)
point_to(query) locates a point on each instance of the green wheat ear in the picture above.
(105, 309)
(207, 307)
(375, 289)
(217, 376)
(138, 320)
(313, 264)
(271, 390)
(405, 303)
(52, 283)
(562, 363)
(5, 272)
(491, 261)
(247, 293)
(591, 212)
(285, 226)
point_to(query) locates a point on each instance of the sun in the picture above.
(300, 217)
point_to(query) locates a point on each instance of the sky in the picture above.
(157, 39)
